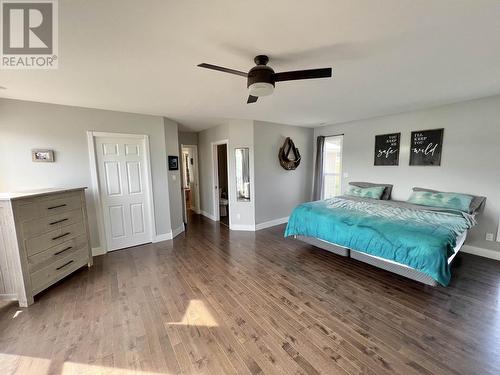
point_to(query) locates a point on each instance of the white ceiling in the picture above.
(388, 56)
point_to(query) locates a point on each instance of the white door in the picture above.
(121, 169)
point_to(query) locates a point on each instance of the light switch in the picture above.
(174, 177)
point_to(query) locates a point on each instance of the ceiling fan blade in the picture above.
(303, 74)
(222, 69)
(252, 99)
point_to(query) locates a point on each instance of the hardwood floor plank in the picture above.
(214, 301)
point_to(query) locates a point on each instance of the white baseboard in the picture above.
(170, 235)
(249, 228)
(98, 251)
(272, 223)
(162, 237)
(177, 231)
(266, 224)
(209, 215)
(486, 253)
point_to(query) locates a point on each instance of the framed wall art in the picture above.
(387, 149)
(426, 147)
(43, 156)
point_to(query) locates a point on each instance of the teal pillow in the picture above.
(443, 200)
(374, 192)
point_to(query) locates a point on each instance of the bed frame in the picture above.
(385, 264)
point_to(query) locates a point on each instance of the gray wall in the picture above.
(188, 138)
(278, 191)
(26, 125)
(469, 162)
(174, 177)
(205, 138)
(239, 133)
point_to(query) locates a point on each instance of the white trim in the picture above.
(177, 231)
(96, 251)
(340, 173)
(119, 135)
(91, 136)
(271, 223)
(498, 232)
(170, 235)
(486, 253)
(95, 192)
(207, 215)
(249, 228)
(149, 186)
(162, 237)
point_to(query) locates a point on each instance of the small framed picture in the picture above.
(173, 163)
(45, 156)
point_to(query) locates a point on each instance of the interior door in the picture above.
(121, 168)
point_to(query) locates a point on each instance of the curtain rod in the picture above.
(333, 135)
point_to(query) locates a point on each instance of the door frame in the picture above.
(215, 179)
(194, 148)
(95, 188)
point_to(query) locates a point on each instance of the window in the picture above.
(332, 166)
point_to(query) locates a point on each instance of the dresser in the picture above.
(44, 237)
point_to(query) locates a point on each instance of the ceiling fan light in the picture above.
(260, 89)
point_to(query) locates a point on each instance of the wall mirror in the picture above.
(243, 174)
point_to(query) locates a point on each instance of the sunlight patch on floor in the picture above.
(21, 364)
(197, 314)
(72, 368)
(26, 365)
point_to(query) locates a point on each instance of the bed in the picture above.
(418, 242)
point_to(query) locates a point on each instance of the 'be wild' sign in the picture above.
(426, 147)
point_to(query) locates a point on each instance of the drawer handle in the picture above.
(58, 221)
(54, 207)
(61, 236)
(63, 250)
(64, 265)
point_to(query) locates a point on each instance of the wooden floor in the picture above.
(220, 302)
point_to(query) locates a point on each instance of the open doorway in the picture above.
(221, 185)
(190, 184)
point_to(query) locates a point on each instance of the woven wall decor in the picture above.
(289, 155)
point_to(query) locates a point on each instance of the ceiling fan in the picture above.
(261, 78)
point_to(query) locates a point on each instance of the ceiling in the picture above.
(388, 56)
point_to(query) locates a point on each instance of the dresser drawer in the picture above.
(50, 239)
(57, 270)
(45, 224)
(46, 206)
(49, 256)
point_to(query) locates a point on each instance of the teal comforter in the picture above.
(416, 236)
